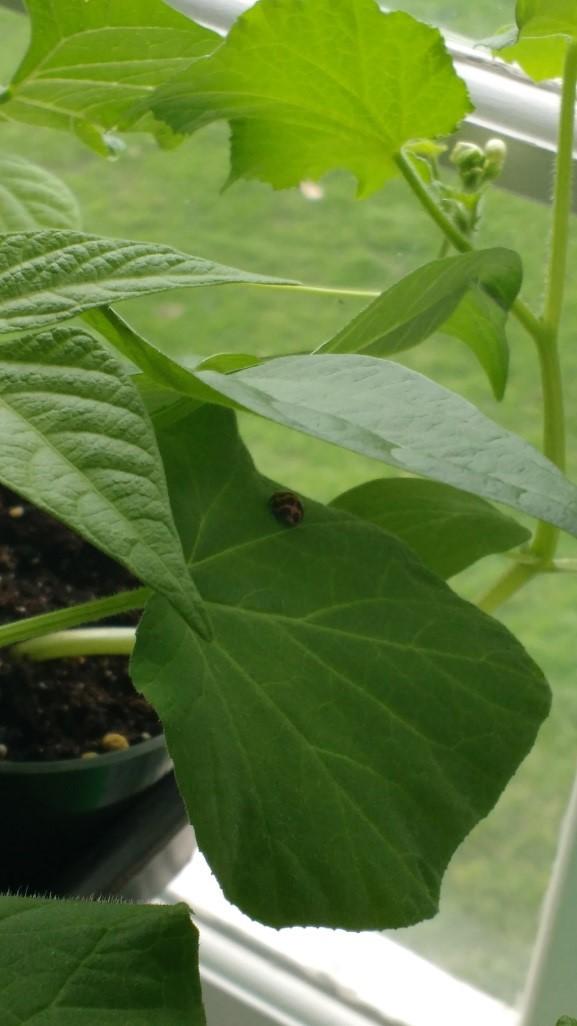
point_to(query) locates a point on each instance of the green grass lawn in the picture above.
(495, 884)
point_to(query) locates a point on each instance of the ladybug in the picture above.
(287, 508)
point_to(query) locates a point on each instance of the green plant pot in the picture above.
(69, 788)
(55, 813)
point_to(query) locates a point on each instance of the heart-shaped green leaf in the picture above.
(76, 440)
(86, 963)
(351, 720)
(88, 63)
(31, 197)
(448, 529)
(466, 295)
(312, 85)
(47, 277)
(544, 27)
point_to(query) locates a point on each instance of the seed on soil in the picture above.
(16, 512)
(89, 755)
(3, 751)
(114, 742)
(145, 736)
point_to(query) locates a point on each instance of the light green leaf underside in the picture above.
(312, 85)
(544, 29)
(47, 277)
(448, 529)
(31, 197)
(352, 719)
(547, 17)
(390, 413)
(75, 439)
(467, 296)
(382, 410)
(88, 63)
(86, 963)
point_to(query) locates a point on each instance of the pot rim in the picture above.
(78, 764)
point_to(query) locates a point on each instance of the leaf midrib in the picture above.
(338, 788)
(302, 623)
(65, 40)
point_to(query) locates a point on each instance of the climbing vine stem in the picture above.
(544, 330)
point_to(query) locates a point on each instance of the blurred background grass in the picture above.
(494, 886)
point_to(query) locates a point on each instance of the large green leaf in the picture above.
(379, 409)
(75, 439)
(310, 85)
(431, 298)
(448, 529)
(31, 197)
(88, 63)
(47, 277)
(351, 720)
(87, 963)
(382, 410)
(390, 413)
(539, 45)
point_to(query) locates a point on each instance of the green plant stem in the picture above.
(562, 198)
(544, 544)
(326, 290)
(544, 331)
(73, 616)
(458, 239)
(63, 644)
(511, 581)
(563, 566)
(554, 442)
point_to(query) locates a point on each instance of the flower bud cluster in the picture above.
(477, 165)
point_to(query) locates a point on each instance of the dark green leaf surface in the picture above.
(352, 718)
(544, 29)
(80, 963)
(380, 409)
(47, 277)
(311, 85)
(75, 439)
(31, 198)
(88, 63)
(448, 529)
(467, 296)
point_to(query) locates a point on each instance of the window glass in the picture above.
(477, 20)
(496, 882)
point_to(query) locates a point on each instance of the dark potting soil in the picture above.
(59, 709)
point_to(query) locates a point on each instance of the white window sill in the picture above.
(257, 976)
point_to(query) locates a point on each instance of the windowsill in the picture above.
(308, 976)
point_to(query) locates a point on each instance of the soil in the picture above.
(60, 709)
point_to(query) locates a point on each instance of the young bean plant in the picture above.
(339, 718)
